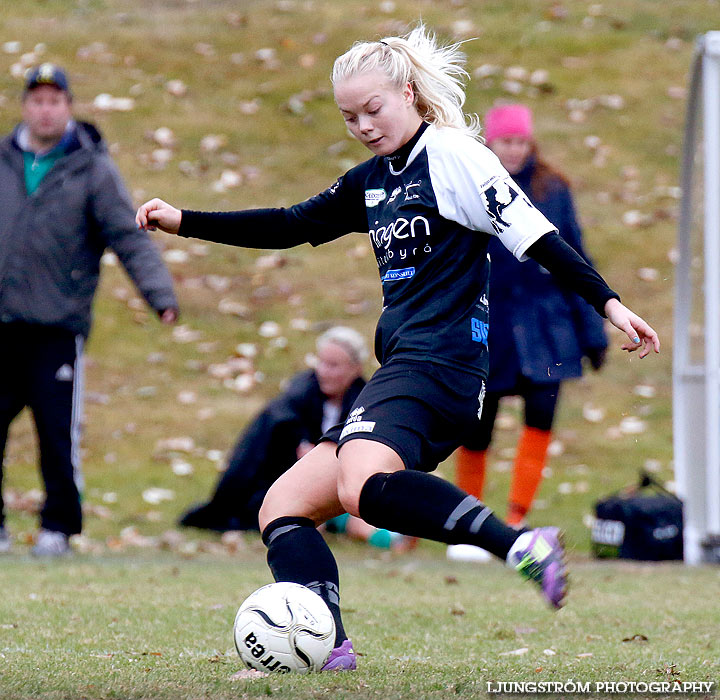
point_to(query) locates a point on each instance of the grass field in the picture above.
(160, 627)
(252, 122)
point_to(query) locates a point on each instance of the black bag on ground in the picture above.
(641, 522)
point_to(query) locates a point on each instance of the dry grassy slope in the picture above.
(638, 50)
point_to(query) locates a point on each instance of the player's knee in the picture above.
(349, 488)
(270, 509)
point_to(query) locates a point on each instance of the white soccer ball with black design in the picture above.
(284, 627)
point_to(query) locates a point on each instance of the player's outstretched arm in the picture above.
(639, 332)
(158, 214)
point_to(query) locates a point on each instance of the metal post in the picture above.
(711, 99)
(688, 379)
(696, 382)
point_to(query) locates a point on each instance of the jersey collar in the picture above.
(400, 159)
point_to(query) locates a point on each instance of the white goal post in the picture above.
(696, 361)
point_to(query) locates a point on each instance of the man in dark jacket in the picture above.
(62, 203)
(286, 429)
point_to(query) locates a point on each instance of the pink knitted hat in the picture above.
(508, 120)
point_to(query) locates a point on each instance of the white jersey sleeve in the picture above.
(473, 189)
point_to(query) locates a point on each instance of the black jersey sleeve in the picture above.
(326, 216)
(571, 271)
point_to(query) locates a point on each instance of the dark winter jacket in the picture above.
(540, 330)
(268, 446)
(51, 241)
(265, 450)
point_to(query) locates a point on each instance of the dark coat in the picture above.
(265, 450)
(51, 241)
(538, 329)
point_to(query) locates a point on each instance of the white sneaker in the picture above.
(467, 552)
(50, 543)
(5, 541)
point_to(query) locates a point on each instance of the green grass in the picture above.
(133, 602)
(160, 627)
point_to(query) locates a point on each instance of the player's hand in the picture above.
(158, 214)
(641, 335)
(169, 316)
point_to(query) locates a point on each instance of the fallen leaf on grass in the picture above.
(205, 49)
(185, 334)
(175, 444)
(181, 468)
(155, 495)
(107, 103)
(648, 274)
(647, 391)
(652, 465)
(593, 414)
(632, 425)
(163, 136)
(247, 674)
(176, 87)
(515, 652)
(98, 511)
(269, 329)
(636, 638)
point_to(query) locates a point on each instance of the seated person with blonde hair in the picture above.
(286, 429)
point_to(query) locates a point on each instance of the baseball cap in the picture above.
(47, 74)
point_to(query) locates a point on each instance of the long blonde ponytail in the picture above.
(436, 73)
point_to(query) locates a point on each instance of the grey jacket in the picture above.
(51, 241)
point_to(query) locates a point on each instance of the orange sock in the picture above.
(470, 470)
(527, 472)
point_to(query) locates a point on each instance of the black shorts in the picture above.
(422, 410)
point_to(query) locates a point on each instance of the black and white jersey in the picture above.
(428, 224)
(428, 218)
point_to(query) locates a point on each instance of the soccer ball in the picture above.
(284, 627)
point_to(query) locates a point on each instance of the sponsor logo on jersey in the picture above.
(409, 190)
(363, 426)
(355, 414)
(481, 400)
(479, 330)
(498, 198)
(401, 228)
(374, 197)
(394, 195)
(355, 423)
(404, 274)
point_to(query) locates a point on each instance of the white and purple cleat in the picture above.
(539, 556)
(341, 658)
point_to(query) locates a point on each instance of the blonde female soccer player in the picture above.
(429, 199)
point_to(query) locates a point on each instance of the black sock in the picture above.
(422, 505)
(298, 553)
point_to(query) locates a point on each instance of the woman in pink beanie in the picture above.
(544, 331)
